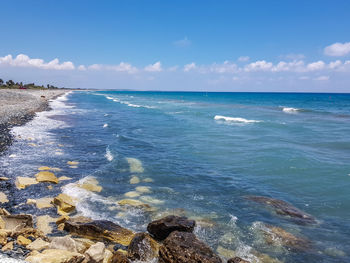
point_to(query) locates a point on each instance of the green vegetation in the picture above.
(10, 84)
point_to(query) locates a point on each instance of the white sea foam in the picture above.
(234, 119)
(109, 156)
(105, 125)
(110, 98)
(5, 259)
(290, 110)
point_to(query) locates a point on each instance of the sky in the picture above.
(266, 46)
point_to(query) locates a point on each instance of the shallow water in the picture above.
(200, 155)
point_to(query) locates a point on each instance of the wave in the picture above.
(234, 119)
(130, 104)
(109, 156)
(105, 125)
(290, 110)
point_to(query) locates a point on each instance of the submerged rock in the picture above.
(143, 248)
(90, 184)
(45, 176)
(44, 168)
(134, 180)
(161, 228)
(100, 230)
(23, 182)
(184, 247)
(64, 203)
(283, 208)
(134, 203)
(56, 256)
(72, 162)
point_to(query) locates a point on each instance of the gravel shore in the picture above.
(19, 106)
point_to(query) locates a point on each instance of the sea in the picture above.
(200, 155)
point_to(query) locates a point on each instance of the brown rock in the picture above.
(45, 176)
(43, 223)
(100, 230)
(161, 228)
(55, 256)
(143, 248)
(237, 260)
(83, 244)
(17, 222)
(4, 212)
(119, 258)
(3, 198)
(184, 247)
(28, 232)
(61, 220)
(23, 241)
(8, 246)
(64, 203)
(107, 256)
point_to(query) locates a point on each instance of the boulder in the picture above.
(38, 244)
(4, 212)
(83, 244)
(119, 258)
(160, 229)
(63, 243)
(184, 247)
(283, 208)
(28, 232)
(100, 230)
(107, 256)
(56, 256)
(45, 176)
(237, 260)
(3, 198)
(64, 203)
(17, 222)
(23, 182)
(143, 248)
(96, 253)
(23, 241)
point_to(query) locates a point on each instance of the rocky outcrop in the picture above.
(184, 247)
(283, 208)
(56, 256)
(143, 248)
(100, 230)
(160, 229)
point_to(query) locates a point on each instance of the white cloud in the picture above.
(95, 67)
(172, 69)
(156, 67)
(25, 61)
(225, 67)
(260, 65)
(293, 56)
(123, 67)
(82, 68)
(319, 65)
(189, 67)
(338, 49)
(322, 78)
(243, 58)
(185, 42)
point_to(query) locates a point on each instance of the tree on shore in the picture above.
(1, 82)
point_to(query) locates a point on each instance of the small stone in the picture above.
(143, 189)
(60, 227)
(44, 168)
(23, 182)
(38, 245)
(64, 203)
(3, 237)
(3, 178)
(49, 187)
(45, 176)
(64, 178)
(21, 240)
(3, 198)
(72, 163)
(95, 253)
(43, 223)
(8, 246)
(62, 219)
(134, 180)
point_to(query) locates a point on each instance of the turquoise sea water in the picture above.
(201, 154)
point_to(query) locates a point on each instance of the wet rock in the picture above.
(38, 245)
(8, 246)
(184, 247)
(29, 233)
(45, 176)
(43, 223)
(107, 256)
(237, 260)
(62, 219)
(3, 198)
(96, 253)
(64, 178)
(21, 240)
(119, 258)
(42, 203)
(143, 248)
(23, 182)
(44, 168)
(134, 180)
(100, 230)
(132, 194)
(17, 222)
(83, 244)
(3, 178)
(64, 203)
(226, 253)
(161, 228)
(143, 189)
(72, 162)
(134, 203)
(90, 184)
(4, 212)
(63, 243)
(283, 208)
(56, 256)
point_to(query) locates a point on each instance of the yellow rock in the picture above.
(32, 144)
(122, 251)
(55, 256)
(3, 178)
(64, 178)
(143, 189)
(134, 180)
(64, 203)
(90, 184)
(31, 201)
(49, 187)
(45, 202)
(132, 194)
(72, 163)
(21, 240)
(44, 168)
(8, 246)
(148, 180)
(23, 182)
(3, 198)
(61, 220)
(43, 223)
(73, 166)
(3, 237)
(46, 176)
(60, 227)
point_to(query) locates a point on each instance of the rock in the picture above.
(8, 246)
(45, 176)
(132, 194)
(60, 227)
(43, 223)
(143, 189)
(96, 253)
(31, 201)
(3, 237)
(17, 222)
(45, 202)
(72, 163)
(38, 245)
(135, 165)
(83, 244)
(107, 256)
(100, 230)
(161, 228)
(3, 198)
(63, 243)
(151, 200)
(4, 212)
(49, 187)
(62, 219)
(226, 253)
(64, 203)
(184, 247)
(237, 260)
(44, 168)
(64, 178)
(21, 240)
(143, 248)
(119, 258)
(134, 180)
(3, 178)
(55, 169)
(56, 256)
(28, 232)
(148, 180)
(283, 208)
(134, 203)
(23, 182)
(90, 184)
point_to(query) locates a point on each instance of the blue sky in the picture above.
(178, 45)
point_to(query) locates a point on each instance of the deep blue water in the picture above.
(202, 154)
